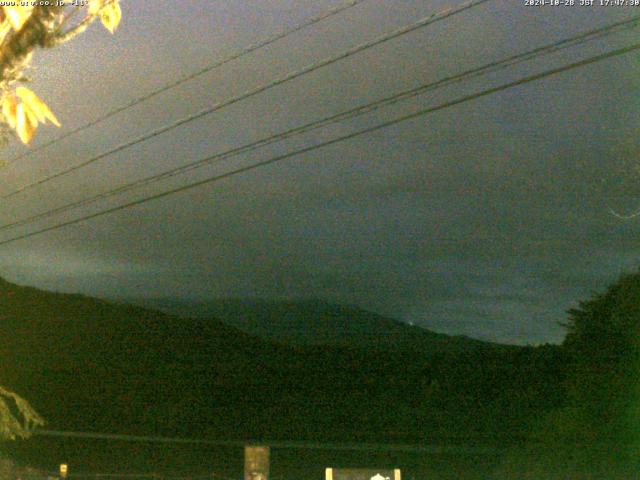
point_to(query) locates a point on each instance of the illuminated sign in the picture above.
(361, 474)
(256, 463)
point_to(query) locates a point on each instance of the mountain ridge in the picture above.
(87, 364)
(310, 322)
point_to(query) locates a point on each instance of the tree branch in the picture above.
(21, 426)
(17, 50)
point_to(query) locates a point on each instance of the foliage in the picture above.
(604, 344)
(23, 28)
(17, 417)
(596, 434)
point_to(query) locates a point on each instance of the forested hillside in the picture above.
(91, 365)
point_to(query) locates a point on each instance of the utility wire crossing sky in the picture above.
(510, 61)
(489, 220)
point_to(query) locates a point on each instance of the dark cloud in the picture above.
(488, 219)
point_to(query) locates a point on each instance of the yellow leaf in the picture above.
(95, 6)
(23, 110)
(10, 110)
(35, 106)
(18, 15)
(5, 27)
(26, 124)
(110, 15)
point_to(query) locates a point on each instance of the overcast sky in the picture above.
(488, 219)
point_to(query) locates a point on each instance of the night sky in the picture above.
(488, 219)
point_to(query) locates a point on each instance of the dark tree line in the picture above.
(596, 433)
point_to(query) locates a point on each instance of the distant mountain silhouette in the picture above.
(91, 365)
(87, 363)
(315, 322)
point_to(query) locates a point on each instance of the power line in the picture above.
(155, 475)
(285, 444)
(419, 113)
(346, 115)
(159, 476)
(135, 438)
(435, 17)
(234, 56)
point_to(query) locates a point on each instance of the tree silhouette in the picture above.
(596, 432)
(603, 342)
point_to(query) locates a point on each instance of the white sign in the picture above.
(379, 477)
(362, 474)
